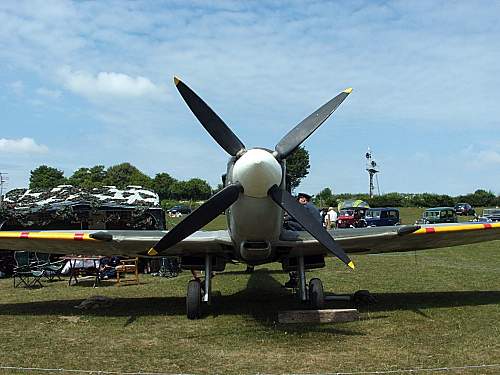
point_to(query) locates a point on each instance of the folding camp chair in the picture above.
(51, 269)
(25, 271)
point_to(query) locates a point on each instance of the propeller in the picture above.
(199, 217)
(286, 201)
(306, 127)
(219, 131)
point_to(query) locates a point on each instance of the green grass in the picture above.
(436, 308)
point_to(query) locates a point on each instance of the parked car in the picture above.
(490, 214)
(381, 217)
(438, 215)
(179, 209)
(353, 217)
(464, 209)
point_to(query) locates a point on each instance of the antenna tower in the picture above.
(372, 169)
(3, 181)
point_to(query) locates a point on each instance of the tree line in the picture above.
(122, 175)
(167, 187)
(480, 198)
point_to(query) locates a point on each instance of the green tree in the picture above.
(125, 174)
(162, 185)
(194, 189)
(88, 178)
(479, 198)
(45, 177)
(297, 167)
(325, 198)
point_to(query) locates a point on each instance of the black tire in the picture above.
(193, 300)
(361, 224)
(316, 294)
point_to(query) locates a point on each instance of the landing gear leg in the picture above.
(314, 294)
(208, 279)
(302, 279)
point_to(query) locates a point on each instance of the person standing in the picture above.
(331, 218)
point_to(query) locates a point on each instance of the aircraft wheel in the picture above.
(316, 294)
(193, 300)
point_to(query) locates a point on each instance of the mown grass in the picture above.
(436, 308)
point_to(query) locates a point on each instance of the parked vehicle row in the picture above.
(360, 217)
(490, 215)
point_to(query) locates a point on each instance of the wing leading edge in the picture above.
(396, 239)
(112, 242)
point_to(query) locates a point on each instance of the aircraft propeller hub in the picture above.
(257, 170)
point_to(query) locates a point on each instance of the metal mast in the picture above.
(3, 180)
(371, 168)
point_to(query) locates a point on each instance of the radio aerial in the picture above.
(372, 169)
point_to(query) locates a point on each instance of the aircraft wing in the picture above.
(394, 239)
(113, 242)
(356, 240)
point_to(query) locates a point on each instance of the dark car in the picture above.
(438, 215)
(381, 217)
(464, 209)
(179, 209)
(490, 214)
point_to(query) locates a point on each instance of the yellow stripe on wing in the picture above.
(457, 228)
(47, 236)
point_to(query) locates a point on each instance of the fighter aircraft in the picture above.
(254, 200)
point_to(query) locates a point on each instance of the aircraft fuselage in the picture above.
(254, 220)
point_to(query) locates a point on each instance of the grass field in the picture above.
(436, 308)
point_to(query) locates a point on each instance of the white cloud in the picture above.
(17, 87)
(490, 157)
(51, 94)
(109, 85)
(22, 145)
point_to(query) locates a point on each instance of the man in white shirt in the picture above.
(331, 218)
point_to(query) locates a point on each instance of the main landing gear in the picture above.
(196, 295)
(314, 293)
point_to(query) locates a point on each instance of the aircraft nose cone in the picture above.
(257, 170)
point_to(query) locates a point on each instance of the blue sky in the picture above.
(85, 83)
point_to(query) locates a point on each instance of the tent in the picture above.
(350, 203)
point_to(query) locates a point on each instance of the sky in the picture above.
(91, 82)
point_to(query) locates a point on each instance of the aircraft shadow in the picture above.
(415, 301)
(263, 298)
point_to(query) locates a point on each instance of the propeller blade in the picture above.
(219, 131)
(306, 127)
(286, 201)
(199, 218)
